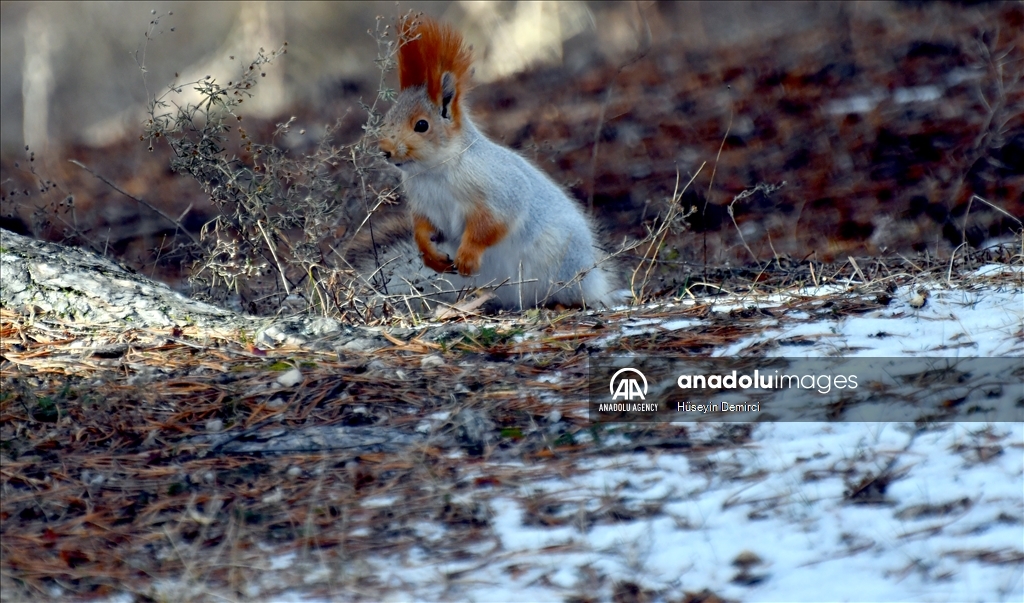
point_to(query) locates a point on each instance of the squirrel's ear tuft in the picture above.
(448, 92)
(433, 55)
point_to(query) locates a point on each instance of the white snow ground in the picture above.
(952, 531)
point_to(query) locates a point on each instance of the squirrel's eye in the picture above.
(421, 126)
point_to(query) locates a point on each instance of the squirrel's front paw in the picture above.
(438, 263)
(467, 262)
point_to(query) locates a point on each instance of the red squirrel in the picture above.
(481, 213)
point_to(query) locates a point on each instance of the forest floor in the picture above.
(462, 461)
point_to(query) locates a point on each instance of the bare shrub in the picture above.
(284, 217)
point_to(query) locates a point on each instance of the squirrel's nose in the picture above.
(387, 154)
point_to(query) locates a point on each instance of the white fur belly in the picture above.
(523, 271)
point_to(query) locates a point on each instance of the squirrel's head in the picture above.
(433, 72)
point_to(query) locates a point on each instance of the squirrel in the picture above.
(481, 213)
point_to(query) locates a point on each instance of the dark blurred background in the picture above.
(70, 70)
(883, 119)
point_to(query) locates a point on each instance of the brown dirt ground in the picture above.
(896, 176)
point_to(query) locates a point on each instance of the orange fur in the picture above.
(428, 49)
(483, 230)
(433, 258)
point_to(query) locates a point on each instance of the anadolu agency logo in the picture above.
(627, 387)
